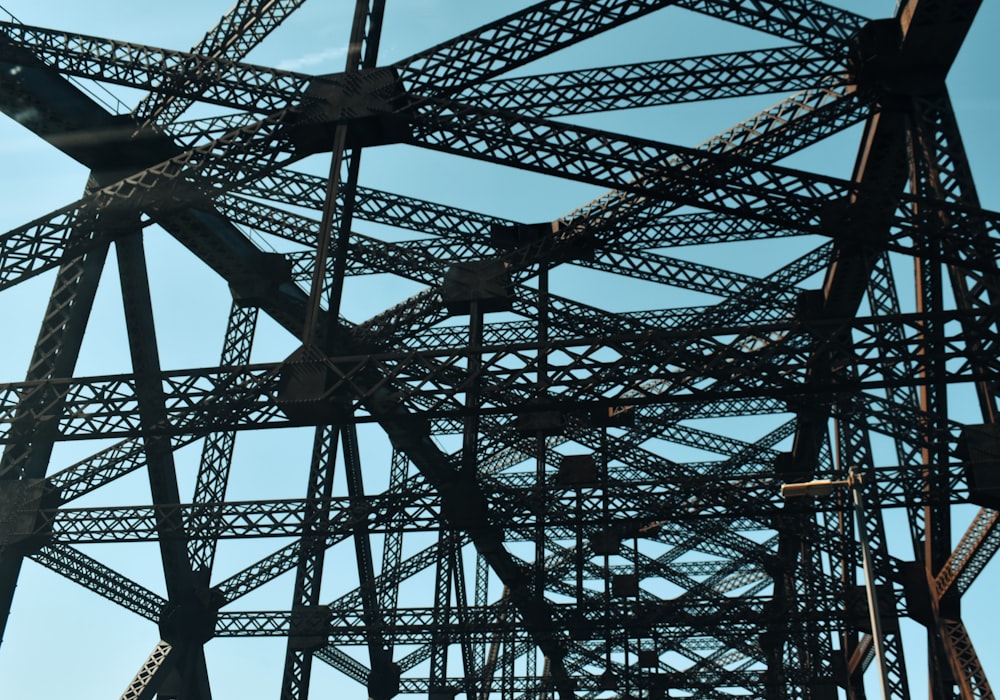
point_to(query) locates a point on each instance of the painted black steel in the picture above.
(567, 545)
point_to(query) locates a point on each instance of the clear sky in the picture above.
(62, 641)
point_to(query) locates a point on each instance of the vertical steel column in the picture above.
(937, 514)
(854, 451)
(362, 53)
(308, 628)
(470, 429)
(871, 593)
(603, 474)
(480, 597)
(187, 622)
(508, 688)
(392, 545)
(774, 641)
(843, 563)
(883, 299)
(941, 172)
(500, 639)
(470, 466)
(217, 452)
(440, 638)
(379, 658)
(543, 388)
(462, 605)
(814, 596)
(933, 404)
(946, 176)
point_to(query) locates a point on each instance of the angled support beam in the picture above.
(55, 355)
(152, 673)
(103, 580)
(976, 548)
(149, 393)
(785, 128)
(516, 40)
(646, 168)
(56, 351)
(657, 83)
(236, 34)
(799, 21)
(233, 85)
(346, 664)
(861, 657)
(178, 206)
(102, 468)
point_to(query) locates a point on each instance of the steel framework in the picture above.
(564, 513)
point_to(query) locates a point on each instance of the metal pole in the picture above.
(854, 483)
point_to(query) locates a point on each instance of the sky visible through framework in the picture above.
(62, 641)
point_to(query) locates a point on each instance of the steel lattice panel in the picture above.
(547, 464)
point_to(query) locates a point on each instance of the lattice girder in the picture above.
(582, 499)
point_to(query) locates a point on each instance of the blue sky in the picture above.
(63, 641)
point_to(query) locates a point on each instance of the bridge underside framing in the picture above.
(533, 476)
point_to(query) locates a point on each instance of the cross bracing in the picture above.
(519, 482)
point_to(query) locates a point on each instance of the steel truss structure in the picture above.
(567, 547)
